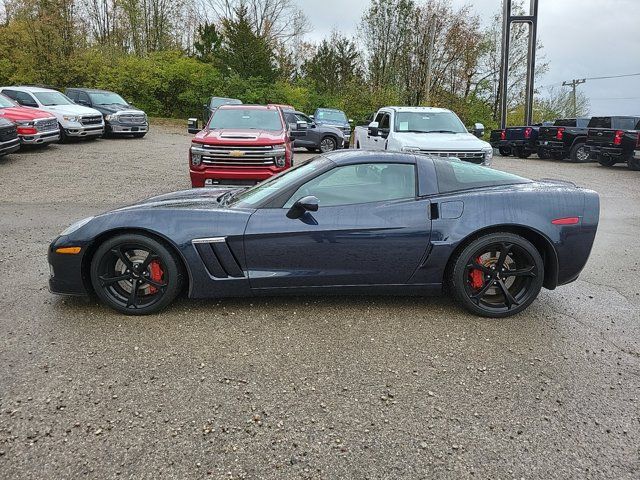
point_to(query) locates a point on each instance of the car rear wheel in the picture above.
(579, 153)
(522, 153)
(136, 274)
(505, 151)
(327, 144)
(606, 161)
(496, 275)
(544, 154)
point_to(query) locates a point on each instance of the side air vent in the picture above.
(218, 258)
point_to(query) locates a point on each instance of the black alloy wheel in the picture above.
(544, 154)
(505, 151)
(522, 153)
(497, 275)
(135, 274)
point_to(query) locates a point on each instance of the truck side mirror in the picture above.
(192, 125)
(298, 129)
(478, 130)
(373, 129)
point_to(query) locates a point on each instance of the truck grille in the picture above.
(91, 120)
(8, 133)
(133, 119)
(47, 125)
(239, 156)
(473, 157)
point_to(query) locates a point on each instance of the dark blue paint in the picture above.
(394, 247)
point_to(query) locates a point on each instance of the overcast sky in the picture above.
(581, 38)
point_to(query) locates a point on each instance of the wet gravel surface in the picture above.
(322, 387)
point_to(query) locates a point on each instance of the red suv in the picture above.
(241, 145)
(35, 127)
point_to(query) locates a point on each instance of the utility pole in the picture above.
(431, 32)
(574, 85)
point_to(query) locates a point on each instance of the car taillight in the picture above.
(527, 132)
(560, 133)
(638, 141)
(503, 135)
(617, 140)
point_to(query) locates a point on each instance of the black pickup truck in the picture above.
(612, 140)
(524, 140)
(9, 141)
(498, 140)
(565, 139)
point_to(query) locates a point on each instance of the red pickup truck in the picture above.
(35, 127)
(241, 145)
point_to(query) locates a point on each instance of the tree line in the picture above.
(168, 56)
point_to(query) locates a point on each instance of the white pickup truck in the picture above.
(427, 130)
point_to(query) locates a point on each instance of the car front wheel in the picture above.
(135, 274)
(496, 275)
(327, 144)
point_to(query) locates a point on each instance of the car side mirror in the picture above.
(478, 130)
(373, 129)
(305, 204)
(298, 129)
(312, 117)
(350, 120)
(192, 125)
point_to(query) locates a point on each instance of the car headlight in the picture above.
(72, 228)
(488, 155)
(71, 118)
(281, 156)
(410, 149)
(196, 157)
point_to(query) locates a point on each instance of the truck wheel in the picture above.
(544, 154)
(633, 163)
(327, 144)
(606, 161)
(63, 136)
(505, 151)
(579, 153)
(522, 153)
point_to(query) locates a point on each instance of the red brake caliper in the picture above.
(155, 274)
(476, 276)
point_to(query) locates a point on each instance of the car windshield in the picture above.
(107, 98)
(254, 195)
(52, 98)
(5, 102)
(331, 115)
(246, 119)
(218, 102)
(428, 122)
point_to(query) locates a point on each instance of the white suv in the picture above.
(75, 120)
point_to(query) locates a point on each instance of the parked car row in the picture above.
(607, 140)
(39, 116)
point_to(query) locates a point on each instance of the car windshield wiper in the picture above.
(440, 131)
(225, 197)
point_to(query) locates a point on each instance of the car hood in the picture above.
(239, 137)
(71, 110)
(23, 113)
(113, 108)
(441, 141)
(195, 198)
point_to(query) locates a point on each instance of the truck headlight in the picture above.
(196, 159)
(109, 118)
(281, 155)
(488, 155)
(71, 118)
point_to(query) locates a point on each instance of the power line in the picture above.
(559, 84)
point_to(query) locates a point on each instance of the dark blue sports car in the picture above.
(345, 222)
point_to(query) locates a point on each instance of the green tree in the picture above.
(244, 52)
(335, 63)
(207, 43)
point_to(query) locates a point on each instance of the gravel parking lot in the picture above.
(322, 387)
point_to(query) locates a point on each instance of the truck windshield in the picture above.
(331, 115)
(428, 122)
(6, 103)
(107, 98)
(254, 195)
(246, 119)
(52, 98)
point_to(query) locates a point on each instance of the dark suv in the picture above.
(120, 117)
(331, 117)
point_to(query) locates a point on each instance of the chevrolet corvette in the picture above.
(345, 222)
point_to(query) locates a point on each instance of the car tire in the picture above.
(579, 153)
(606, 161)
(508, 279)
(505, 151)
(328, 144)
(136, 274)
(522, 153)
(63, 136)
(544, 154)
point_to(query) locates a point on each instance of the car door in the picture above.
(303, 138)
(370, 229)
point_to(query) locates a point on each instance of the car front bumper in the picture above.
(83, 130)
(65, 277)
(40, 138)
(231, 176)
(9, 146)
(126, 128)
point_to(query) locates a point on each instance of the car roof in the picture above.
(329, 109)
(94, 90)
(418, 109)
(251, 107)
(30, 89)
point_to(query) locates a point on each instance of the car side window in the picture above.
(25, 99)
(379, 118)
(83, 97)
(72, 94)
(303, 118)
(363, 183)
(385, 122)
